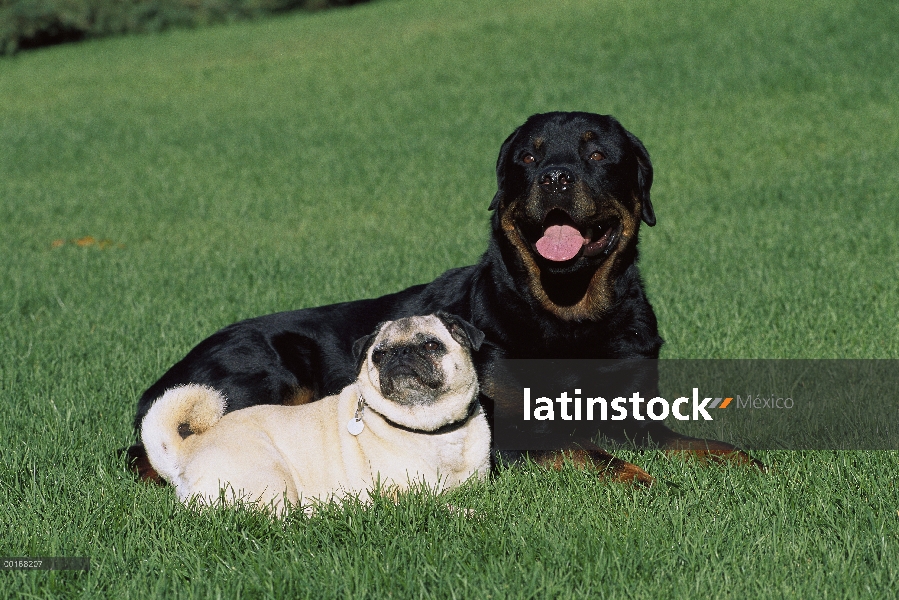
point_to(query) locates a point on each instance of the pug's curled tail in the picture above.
(178, 413)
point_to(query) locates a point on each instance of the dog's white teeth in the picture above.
(355, 426)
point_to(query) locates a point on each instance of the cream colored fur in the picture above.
(268, 454)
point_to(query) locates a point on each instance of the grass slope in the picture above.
(154, 189)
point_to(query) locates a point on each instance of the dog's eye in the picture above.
(377, 356)
(597, 156)
(431, 346)
(528, 158)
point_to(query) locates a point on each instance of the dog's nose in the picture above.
(401, 352)
(556, 179)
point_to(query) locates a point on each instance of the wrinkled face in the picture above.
(414, 360)
(573, 188)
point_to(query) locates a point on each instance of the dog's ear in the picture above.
(644, 178)
(462, 331)
(501, 169)
(361, 346)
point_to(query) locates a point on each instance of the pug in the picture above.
(411, 416)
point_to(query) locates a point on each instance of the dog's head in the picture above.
(572, 190)
(418, 371)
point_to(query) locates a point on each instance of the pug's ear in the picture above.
(644, 178)
(360, 348)
(462, 331)
(501, 169)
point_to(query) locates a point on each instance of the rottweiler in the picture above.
(559, 279)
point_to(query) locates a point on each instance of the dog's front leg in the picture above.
(587, 455)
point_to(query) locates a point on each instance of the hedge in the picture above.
(34, 23)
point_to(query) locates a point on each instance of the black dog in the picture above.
(558, 280)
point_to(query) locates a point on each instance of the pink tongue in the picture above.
(560, 243)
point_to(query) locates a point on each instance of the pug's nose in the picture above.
(555, 179)
(403, 353)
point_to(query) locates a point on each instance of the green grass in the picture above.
(245, 169)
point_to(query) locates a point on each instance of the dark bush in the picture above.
(33, 23)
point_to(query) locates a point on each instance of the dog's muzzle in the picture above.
(404, 373)
(562, 239)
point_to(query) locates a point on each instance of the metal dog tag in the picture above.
(355, 426)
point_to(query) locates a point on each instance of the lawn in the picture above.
(155, 188)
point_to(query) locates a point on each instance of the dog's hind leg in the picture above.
(139, 462)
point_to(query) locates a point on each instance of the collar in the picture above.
(472, 409)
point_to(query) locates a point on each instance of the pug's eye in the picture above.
(377, 356)
(597, 156)
(431, 346)
(528, 158)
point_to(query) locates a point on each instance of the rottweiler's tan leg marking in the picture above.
(140, 464)
(588, 455)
